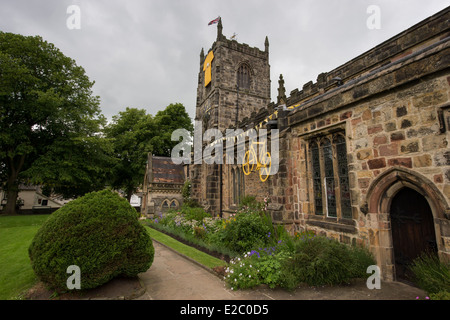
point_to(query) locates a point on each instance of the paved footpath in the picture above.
(173, 277)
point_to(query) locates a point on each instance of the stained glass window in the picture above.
(327, 151)
(341, 151)
(317, 181)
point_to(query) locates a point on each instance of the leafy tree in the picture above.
(134, 134)
(130, 132)
(173, 117)
(49, 118)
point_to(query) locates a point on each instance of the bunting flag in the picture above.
(214, 21)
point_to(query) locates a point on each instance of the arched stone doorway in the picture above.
(387, 197)
(412, 229)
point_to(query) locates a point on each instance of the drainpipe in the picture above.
(220, 191)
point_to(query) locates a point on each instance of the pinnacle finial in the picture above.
(266, 43)
(281, 91)
(219, 29)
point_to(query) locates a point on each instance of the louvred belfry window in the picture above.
(243, 77)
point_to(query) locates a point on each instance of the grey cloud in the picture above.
(145, 54)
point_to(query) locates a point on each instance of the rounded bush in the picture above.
(247, 231)
(100, 233)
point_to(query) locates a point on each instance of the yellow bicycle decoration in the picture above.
(253, 163)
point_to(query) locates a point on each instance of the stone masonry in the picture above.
(388, 110)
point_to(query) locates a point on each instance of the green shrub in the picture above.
(100, 233)
(321, 261)
(200, 232)
(246, 231)
(186, 193)
(249, 201)
(431, 274)
(441, 295)
(194, 213)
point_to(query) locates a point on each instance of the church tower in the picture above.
(233, 82)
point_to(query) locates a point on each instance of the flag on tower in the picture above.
(214, 21)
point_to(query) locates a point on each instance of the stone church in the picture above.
(363, 151)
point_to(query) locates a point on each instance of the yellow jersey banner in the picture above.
(207, 67)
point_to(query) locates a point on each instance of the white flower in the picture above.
(250, 266)
(249, 276)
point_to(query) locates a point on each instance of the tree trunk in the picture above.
(12, 185)
(10, 207)
(129, 194)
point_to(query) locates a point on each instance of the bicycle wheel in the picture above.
(264, 171)
(249, 162)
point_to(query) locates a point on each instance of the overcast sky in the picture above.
(145, 53)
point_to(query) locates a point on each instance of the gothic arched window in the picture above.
(173, 204)
(329, 173)
(243, 77)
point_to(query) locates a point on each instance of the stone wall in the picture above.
(392, 107)
(220, 101)
(220, 105)
(395, 120)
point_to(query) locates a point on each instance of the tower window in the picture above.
(243, 77)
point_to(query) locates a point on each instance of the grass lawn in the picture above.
(197, 255)
(16, 234)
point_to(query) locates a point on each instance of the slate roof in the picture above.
(165, 171)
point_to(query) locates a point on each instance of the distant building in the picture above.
(31, 200)
(162, 187)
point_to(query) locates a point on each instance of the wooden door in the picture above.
(412, 229)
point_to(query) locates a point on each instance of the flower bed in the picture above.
(260, 253)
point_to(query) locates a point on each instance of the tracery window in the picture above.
(341, 152)
(329, 174)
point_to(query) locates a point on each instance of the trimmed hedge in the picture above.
(100, 233)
